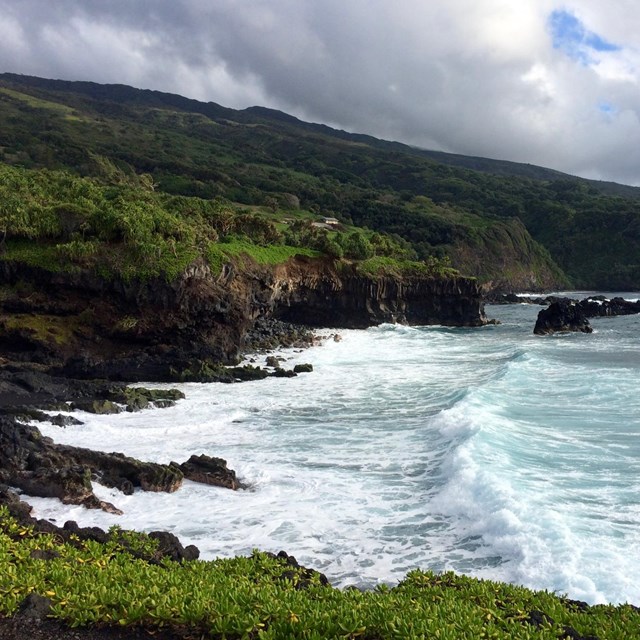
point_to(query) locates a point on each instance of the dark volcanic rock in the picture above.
(39, 467)
(284, 373)
(71, 484)
(169, 546)
(325, 298)
(27, 387)
(565, 314)
(600, 307)
(35, 607)
(208, 470)
(65, 421)
(272, 361)
(561, 316)
(299, 575)
(101, 407)
(133, 331)
(268, 333)
(247, 372)
(138, 398)
(149, 476)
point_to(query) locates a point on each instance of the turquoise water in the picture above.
(488, 451)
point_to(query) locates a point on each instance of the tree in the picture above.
(357, 246)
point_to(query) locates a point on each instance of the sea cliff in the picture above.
(56, 318)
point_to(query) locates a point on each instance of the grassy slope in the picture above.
(260, 597)
(61, 222)
(251, 157)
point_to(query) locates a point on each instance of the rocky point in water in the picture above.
(568, 314)
(562, 316)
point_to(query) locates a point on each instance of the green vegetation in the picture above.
(60, 222)
(261, 596)
(385, 266)
(273, 254)
(45, 328)
(274, 167)
(57, 221)
(36, 103)
(431, 204)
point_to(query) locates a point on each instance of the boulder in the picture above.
(599, 306)
(562, 316)
(64, 421)
(283, 373)
(272, 361)
(247, 372)
(139, 398)
(169, 546)
(34, 607)
(212, 471)
(100, 407)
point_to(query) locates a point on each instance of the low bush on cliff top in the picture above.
(60, 222)
(386, 266)
(263, 597)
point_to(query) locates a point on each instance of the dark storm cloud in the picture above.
(483, 78)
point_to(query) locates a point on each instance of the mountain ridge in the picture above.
(260, 157)
(211, 108)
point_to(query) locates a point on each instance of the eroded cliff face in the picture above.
(318, 295)
(50, 317)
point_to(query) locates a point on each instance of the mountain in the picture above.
(511, 225)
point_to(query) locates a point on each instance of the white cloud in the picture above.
(478, 77)
(12, 39)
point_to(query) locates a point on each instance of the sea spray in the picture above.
(487, 451)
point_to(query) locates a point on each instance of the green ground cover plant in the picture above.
(58, 221)
(261, 596)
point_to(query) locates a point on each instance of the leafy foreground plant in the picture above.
(263, 596)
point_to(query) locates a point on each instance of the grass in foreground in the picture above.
(263, 597)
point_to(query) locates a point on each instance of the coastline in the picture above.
(578, 635)
(263, 346)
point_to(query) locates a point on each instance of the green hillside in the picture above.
(512, 227)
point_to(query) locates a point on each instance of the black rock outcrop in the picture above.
(601, 307)
(322, 297)
(87, 326)
(562, 316)
(208, 470)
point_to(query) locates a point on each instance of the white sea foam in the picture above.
(488, 451)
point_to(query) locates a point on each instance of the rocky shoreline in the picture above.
(32, 393)
(564, 314)
(29, 461)
(74, 341)
(35, 466)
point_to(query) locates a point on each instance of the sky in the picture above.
(549, 82)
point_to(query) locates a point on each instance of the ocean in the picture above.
(488, 451)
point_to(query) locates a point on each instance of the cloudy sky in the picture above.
(550, 82)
